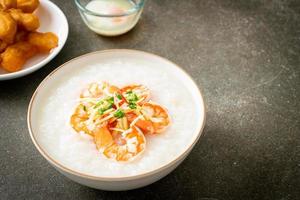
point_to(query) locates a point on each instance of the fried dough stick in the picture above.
(8, 28)
(28, 21)
(28, 6)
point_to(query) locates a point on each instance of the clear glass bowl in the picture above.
(110, 20)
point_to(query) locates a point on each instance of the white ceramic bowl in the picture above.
(52, 19)
(114, 183)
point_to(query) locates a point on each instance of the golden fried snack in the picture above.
(7, 4)
(28, 49)
(12, 59)
(27, 6)
(19, 40)
(8, 28)
(3, 46)
(21, 35)
(28, 21)
(43, 41)
(15, 56)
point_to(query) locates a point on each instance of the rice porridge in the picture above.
(77, 151)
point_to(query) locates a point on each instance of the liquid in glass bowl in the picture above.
(110, 17)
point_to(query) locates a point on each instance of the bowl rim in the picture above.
(135, 9)
(51, 55)
(56, 163)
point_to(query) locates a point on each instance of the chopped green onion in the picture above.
(119, 96)
(110, 100)
(105, 103)
(131, 97)
(100, 111)
(132, 105)
(119, 113)
(84, 108)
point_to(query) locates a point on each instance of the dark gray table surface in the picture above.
(245, 57)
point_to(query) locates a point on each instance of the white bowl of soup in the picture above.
(76, 151)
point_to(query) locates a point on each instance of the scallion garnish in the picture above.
(104, 105)
(110, 100)
(132, 105)
(131, 97)
(119, 113)
(119, 96)
(100, 111)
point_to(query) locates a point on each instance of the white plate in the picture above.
(52, 19)
(72, 69)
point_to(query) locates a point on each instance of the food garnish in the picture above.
(118, 119)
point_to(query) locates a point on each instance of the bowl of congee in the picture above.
(117, 119)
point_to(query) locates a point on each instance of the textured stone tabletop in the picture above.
(245, 57)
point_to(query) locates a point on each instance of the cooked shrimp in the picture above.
(145, 125)
(93, 90)
(157, 115)
(96, 90)
(122, 146)
(117, 119)
(78, 119)
(136, 93)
